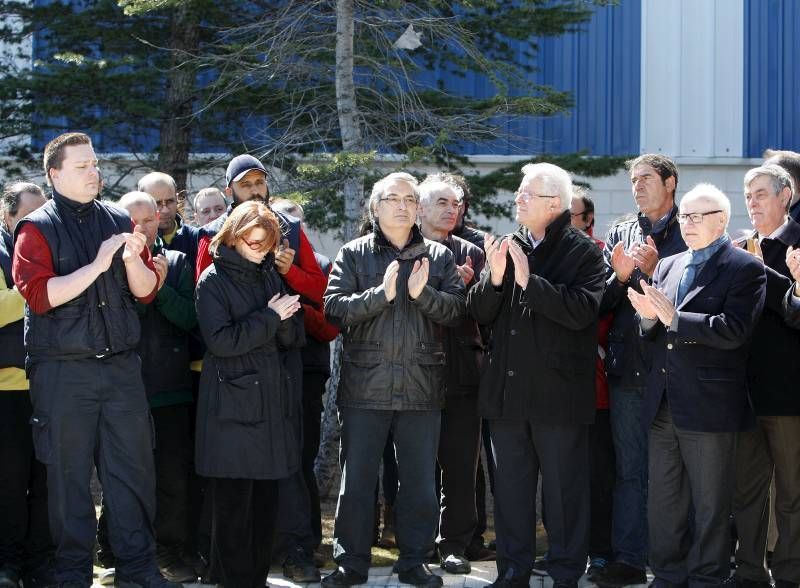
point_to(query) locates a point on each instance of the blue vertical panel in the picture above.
(771, 76)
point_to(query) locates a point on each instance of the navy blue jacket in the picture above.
(702, 366)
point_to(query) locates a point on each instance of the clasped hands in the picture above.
(496, 251)
(416, 281)
(652, 304)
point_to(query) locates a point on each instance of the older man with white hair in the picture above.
(537, 386)
(700, 313)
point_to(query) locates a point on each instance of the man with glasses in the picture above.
(440, 200)
(391, 292)
(540, 294)
(633, 248)
(699, 313)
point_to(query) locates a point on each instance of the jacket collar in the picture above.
(239, 267)
(710, 270)
(551, 234)
(414, 248)
(788, 233)
(662, 228)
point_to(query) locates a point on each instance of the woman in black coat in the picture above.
(244, 440)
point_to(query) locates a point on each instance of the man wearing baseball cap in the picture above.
(246, 179)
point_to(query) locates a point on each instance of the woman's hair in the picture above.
(243, 219)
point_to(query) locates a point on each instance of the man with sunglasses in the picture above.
(700, 313)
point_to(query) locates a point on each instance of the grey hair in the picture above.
(712, 193)
(436, 183)
(136, 198)
(553, 178)
(778, 176)
(154, 179)
(287, 206)
(380, 187)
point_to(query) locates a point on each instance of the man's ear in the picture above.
(670, 184)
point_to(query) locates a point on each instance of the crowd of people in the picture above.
(645, 379)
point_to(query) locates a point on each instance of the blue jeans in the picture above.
(629, 525)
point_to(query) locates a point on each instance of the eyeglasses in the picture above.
(695, 217)
(527, 196)
(255, 245)
(394, 201)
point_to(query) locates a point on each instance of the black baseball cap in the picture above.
(240, 165)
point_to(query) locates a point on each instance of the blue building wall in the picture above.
(772, 75)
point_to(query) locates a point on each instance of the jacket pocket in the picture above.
(426, 374)
(716, 374)
(42, 438)
(365, 373)
(239, 398)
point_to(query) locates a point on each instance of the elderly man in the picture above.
(81, 267)
(25, 544)
(700, 313)
(390, 292)
(772, 449)
(209, 204)
(173, 231)
(540, 294)
(790, 161)
(633, 248)
(440, 201)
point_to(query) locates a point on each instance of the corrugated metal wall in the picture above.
(772, 75)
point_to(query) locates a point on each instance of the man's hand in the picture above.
(664, 308)
(642, 304)
(285, 306)
(418, 277)
(135, 243)
(161, 267)
(622, 263)
(284, 258)
(522, 271)
(646, 256)
(793, 263)
(107, 250)
(496, 250)
(465, 271)
(390, 280)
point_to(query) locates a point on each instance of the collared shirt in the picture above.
(534, 242)
(776, 234)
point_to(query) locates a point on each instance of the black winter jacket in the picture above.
(243, 429)
(393, 356)
(540, 363)
(628, 357)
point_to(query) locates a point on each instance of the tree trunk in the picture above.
(175, 133)
(325, 467)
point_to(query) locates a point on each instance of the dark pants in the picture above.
(80, 406)
(242, 529)
(771, 450)
(199, 538)
(629, 526)
(25, 543)
(690, 472)
(459, 444)
(313, 389)
(481, 488)
(416, 436)
(561, 452)
(173, 458)
(602, 473)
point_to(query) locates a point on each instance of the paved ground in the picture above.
(483, 574)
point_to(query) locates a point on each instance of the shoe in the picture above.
(106, 577)
(455, 564)
(299, 567)
(617, 574)
(343, 576)
(540, 566)
(9, 578)
(748, 583)
(179, 572)
(388, 540)
(510, 579)
(420, 575)
(477, 551)
(156, 581)
(596, 565)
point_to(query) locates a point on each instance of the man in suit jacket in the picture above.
(540, 295)
(700, 313)
(772, 449)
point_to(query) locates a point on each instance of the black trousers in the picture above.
(83, 406)
(242, 528)
(602, 470)
(416, 436)
(313, 389)
(459, 444)
(25, 543)
(561, 452)
(173, 450)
